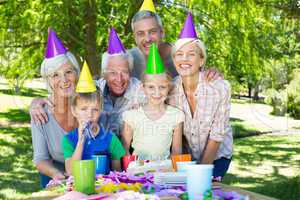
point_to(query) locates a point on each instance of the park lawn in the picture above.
(266, 164)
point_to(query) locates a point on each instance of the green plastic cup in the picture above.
(84, 176)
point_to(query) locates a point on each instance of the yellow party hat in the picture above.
(85, 83)
(148, 5)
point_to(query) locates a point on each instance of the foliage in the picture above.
(286, 100)
(293, 104)
(278, 101)
(246, 40)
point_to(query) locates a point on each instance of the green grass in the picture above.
(241, 129)
(16, 115)
(26, 92)
(267, 164)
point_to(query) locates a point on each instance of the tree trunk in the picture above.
(249, 90)
(256, 92)
(91, 54)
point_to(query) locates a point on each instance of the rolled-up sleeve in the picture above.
(40, 148)
(220, 123)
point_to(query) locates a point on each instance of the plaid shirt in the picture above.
(211, 116)
(113, 107)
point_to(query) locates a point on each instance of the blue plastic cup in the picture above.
(101, 164)
(199, 180)
(181, 166)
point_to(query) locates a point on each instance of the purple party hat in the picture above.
(115, 45)
(54, 45)
(188, 30)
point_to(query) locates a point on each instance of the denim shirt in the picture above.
(113, 107)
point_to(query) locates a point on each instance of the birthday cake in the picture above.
(143, 166)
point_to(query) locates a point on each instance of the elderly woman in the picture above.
(206, 104)
(60, 71)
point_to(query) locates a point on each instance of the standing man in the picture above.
(148, 28)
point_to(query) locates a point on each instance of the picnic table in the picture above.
(47, 195)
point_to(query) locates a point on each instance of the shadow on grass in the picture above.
(16, 161)
(277, 153)
(253, 150)
(276, 186)
(241, 130)
(16, 115)
(27, 92)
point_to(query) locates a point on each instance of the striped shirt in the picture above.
(210, 119)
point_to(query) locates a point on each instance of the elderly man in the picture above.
(120, 91)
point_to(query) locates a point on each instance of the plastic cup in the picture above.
(199, 180)
(84, 176)
(101, 164)
(181, 166)
(128, 159)
(180, 158)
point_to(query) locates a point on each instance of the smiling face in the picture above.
(146, 32)
(63, 80)
(156, 88)
(117, 75)
(188, 59)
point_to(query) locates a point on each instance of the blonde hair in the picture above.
(92, 96)
(181, 42)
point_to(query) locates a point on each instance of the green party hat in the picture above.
(154, 65)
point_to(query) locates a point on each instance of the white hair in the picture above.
(51, 65)
(181, 42)
(105, 56)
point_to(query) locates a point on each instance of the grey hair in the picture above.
(51, 65)
(181, 42)
(105, 56)
(144, 14)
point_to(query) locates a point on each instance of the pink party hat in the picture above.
(188, 30)
(115, 45)
(54, 45)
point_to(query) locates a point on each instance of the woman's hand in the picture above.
(212, 74)
(58, 176)
(37, 112)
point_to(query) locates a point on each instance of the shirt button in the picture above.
(193, 134)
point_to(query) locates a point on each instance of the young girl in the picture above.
(155, 128)
(81, 143)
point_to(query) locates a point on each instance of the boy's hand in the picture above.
(82, 126)
(212, 74)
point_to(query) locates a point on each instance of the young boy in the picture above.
(82, 142)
